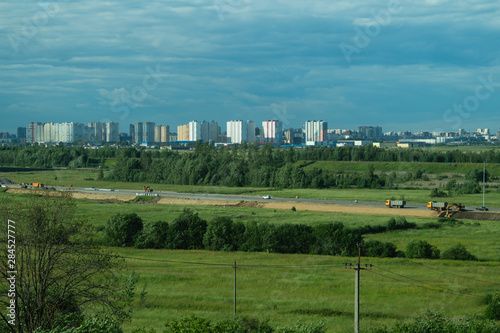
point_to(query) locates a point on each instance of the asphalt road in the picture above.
(229, 197)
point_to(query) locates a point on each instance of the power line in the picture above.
(462, 276)
(423, 284)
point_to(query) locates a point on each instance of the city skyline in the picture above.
(423, 66)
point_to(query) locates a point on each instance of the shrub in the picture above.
(420, 249)
(432, 322)
(379, 249)
(493, 309)
(122, 230)
(437, 193)
(458, 252)
(399, 224)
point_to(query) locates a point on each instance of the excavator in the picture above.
(147, 189)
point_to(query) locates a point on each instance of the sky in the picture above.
(404, 65)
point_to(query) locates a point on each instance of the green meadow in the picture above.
(286, 289)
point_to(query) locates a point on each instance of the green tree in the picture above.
(153, 236)
(122, 230)
(60, 269)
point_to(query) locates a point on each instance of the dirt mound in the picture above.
(7, 181)
(485, 216)
(251, 204)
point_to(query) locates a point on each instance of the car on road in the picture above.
(482, 208)
(266, 197)
(3, 185)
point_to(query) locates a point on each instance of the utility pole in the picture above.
(235, 287)
(357, 268)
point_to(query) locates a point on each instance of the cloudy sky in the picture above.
(404, 65)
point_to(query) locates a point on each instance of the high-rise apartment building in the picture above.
(194, 130)
(183, 133)
(370, 132)
(316, 130)
(272, 131)
(112, 132)
(162, 134)
(144, 133)
(237, 131)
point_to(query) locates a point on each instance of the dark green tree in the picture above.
(122, 230)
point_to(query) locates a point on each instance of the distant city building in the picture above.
(112, 132)
(183, 133)
(237, 131)
(68, 132)
(162, 134)
(370, 132)
(316, 130)
(131, 130)
(138, 132)
(21, 133)
(272, 131)
(293, 136)
(144, 133)
(194, 130)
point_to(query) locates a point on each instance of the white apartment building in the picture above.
(272, 131)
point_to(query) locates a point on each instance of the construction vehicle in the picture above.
(147, 189)
(459, 207)
(437, 205)
(395, 203)
(39, 185)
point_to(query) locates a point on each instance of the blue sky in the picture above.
(404, 65)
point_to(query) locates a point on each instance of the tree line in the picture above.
(190, 232)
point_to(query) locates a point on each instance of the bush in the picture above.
(400, 224)
(493, 309)
(379, 249)
(420, 249)
(436, 193)
(122, 230)
(77, 324)
(432, 322)
(153, 236)
(458, 252)
(197, 324)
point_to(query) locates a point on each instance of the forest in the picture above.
(245, 165)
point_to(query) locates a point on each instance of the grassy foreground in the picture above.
(290, 288)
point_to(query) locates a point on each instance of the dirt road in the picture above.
(287, 205)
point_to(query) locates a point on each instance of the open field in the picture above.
(480, 237)
(286, 288)
(289, 288)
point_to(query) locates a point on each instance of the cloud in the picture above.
(228, 58)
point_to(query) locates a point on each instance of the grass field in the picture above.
(426, 167)
(288, 288)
